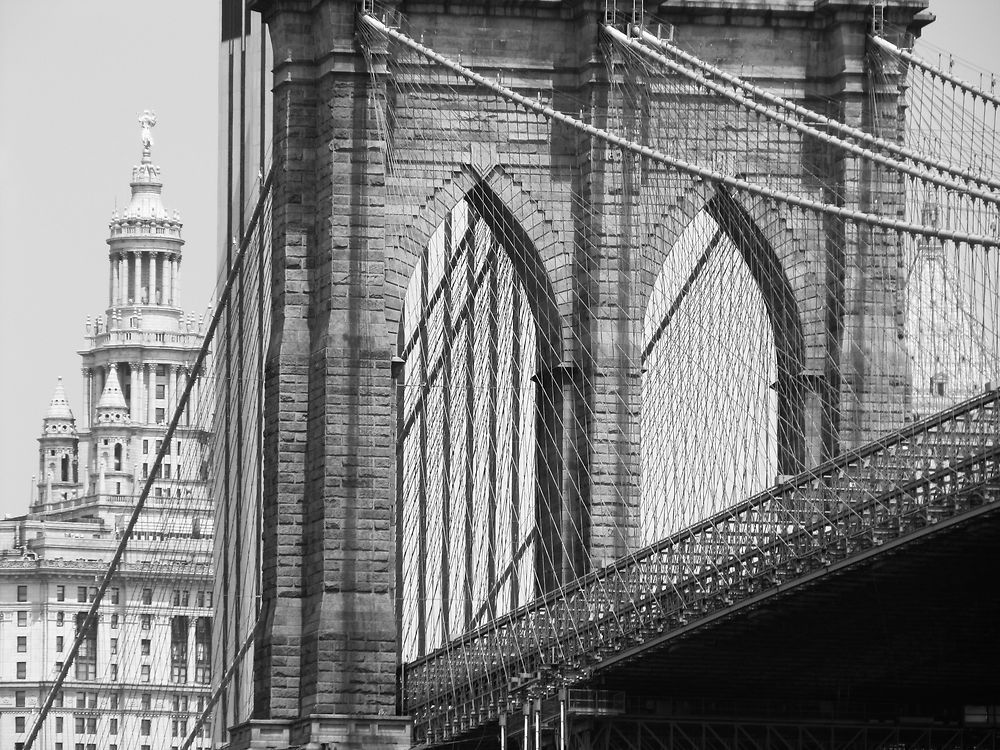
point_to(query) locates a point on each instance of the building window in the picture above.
(92, 594)
(113, 726)
(59, 666)
(147, 596)
(166, 471)
(59, 725)
(144, 727)
(19, 724)
(59, 644)
(60, 619)
(86, 657)
(146, 621)
(22, 670)
(145, 471)
(114, 596)
(114, 701)
(81, 700)
(22, 593)
(203, 650)
(179, 627)
(114, 672)
(81, 594)
(161, 392)
(22, 644)
(114, 645)
(144, 646)
(146, 701)
(91, 725)
(159, 416)
(79, 724)
(144, 673)
(145, 447)
(19, 698)
(60, 593)
(114, 622)
(22, 618)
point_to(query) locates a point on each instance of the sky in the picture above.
(73, 78)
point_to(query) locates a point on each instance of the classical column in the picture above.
(139, 397)
(112, 273)
(136, 277)
(133, 396)
(151, 393)
(122, 279)
(88, 393)
(177, 278)
(168, 284)
(159, 280)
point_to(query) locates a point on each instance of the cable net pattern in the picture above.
(704, 292)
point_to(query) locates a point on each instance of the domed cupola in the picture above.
(112, 408)
(145, 239)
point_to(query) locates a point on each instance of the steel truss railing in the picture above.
(628, 733)
(930, 471)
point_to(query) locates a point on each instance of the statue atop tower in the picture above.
(147, 120)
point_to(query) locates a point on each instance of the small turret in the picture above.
(58, 452)
(112, 408)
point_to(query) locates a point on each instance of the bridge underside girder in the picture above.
(911, 627)
(891, 651)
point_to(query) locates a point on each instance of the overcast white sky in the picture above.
(73, 77)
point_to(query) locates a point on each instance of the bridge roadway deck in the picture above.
(868, 579)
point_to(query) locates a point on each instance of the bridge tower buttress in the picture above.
(326, 663)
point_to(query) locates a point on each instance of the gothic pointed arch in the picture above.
(479, 331)
(723, 358)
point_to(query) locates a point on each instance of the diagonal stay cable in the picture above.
(196, 369)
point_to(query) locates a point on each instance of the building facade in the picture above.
(142, 675)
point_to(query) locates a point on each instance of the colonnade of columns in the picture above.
(161, 271)
(143, 401)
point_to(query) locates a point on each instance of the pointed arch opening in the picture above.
(475, 423)
(722, 406)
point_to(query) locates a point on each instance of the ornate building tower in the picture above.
(143, 338)
(144, 670)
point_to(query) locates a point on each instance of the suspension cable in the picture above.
(678, 164)
(924, 65)
(809, 114)
(772, 114)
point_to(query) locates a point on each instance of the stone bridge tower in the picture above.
(327, 655)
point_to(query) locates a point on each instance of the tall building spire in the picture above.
(145, 241)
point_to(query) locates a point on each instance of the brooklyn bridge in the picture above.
(596, 374)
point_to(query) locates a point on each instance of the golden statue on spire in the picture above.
(147, 120)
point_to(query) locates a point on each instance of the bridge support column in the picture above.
(325, 661)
